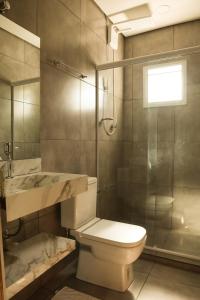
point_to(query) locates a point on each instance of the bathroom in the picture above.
(74, 104)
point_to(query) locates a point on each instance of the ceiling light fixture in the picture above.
(135, 13)
(163, 9)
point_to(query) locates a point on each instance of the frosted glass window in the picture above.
(165, 84)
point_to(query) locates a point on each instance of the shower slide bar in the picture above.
(150, 58)
(66, 68)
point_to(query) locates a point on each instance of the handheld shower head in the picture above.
(4, 5)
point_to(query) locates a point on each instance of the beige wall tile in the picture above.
(61, 156)
(88, 158)
(11, 46)
(61, 106)
(59, 42)
(156, 41)
(24, 13)
(88, 109)
(93, 52)
(93, 18)
(186, 35)
(74, 6)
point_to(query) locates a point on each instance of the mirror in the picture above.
(19, 97)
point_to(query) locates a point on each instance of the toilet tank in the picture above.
(79, 210)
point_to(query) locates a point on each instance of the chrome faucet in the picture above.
(8, 152)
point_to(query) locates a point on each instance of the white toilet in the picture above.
(107, 248)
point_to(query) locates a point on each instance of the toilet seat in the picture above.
(113, 233)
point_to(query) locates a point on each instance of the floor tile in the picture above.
(107, 294)
(178, 275)
(70, 294)
(143, 265)
(156, 289)
(133, 290)
(42, 294)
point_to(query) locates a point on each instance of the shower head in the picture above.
(4, 5)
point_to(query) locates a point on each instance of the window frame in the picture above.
(146, 68)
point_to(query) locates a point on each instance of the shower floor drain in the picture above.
(70, 294)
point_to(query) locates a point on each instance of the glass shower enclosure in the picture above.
(148, 159)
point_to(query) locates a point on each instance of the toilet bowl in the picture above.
(107, 248)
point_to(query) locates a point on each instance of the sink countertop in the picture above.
(30, 181)
(26, 194)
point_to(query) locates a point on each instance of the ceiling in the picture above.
(163, 13)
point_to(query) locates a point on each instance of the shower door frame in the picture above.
(153, 58)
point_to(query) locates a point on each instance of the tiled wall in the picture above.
(74, 32)
(110, 147)
(19, 63)
(166, 137)
(5, 116)
(26, 120)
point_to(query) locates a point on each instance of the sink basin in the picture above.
(26, 194)
(27, 182)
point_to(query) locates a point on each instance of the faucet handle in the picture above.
(7, 148)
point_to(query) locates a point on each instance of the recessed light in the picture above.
(162, 9)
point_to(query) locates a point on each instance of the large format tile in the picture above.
(143, 265)
(31, 55)
(59, 42)
(118, 120)
(107, 166)
(109, 204)
(93, 52)
(32, 93)
(70, 294)
(5, 120)
(31, 150)
(88, 108)
(156, 288)
(119, 53)
(128, 47)
(155, 41)
(128, 82)
(60, 106)
(88, 158)
(11, 46)
(187, 122)
(132, 292)
(31, 123)
(94, 18)
(179, 276)
(187, 164)
(18, 121)
(118, 82)
(165, 124)
(106, 294)
(137, 84)
(128, 121)
(193, 76)
(24, 13)
(5, 90)
(186, 34)
(186, 209)
(61, 155)
(74, 6)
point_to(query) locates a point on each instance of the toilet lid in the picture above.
(117, 233)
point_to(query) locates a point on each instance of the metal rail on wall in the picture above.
(66, 68)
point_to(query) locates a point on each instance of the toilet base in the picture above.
(104, 273)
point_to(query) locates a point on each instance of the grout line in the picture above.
(148, 275)
(71, 11)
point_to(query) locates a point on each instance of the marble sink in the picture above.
(33, 192)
